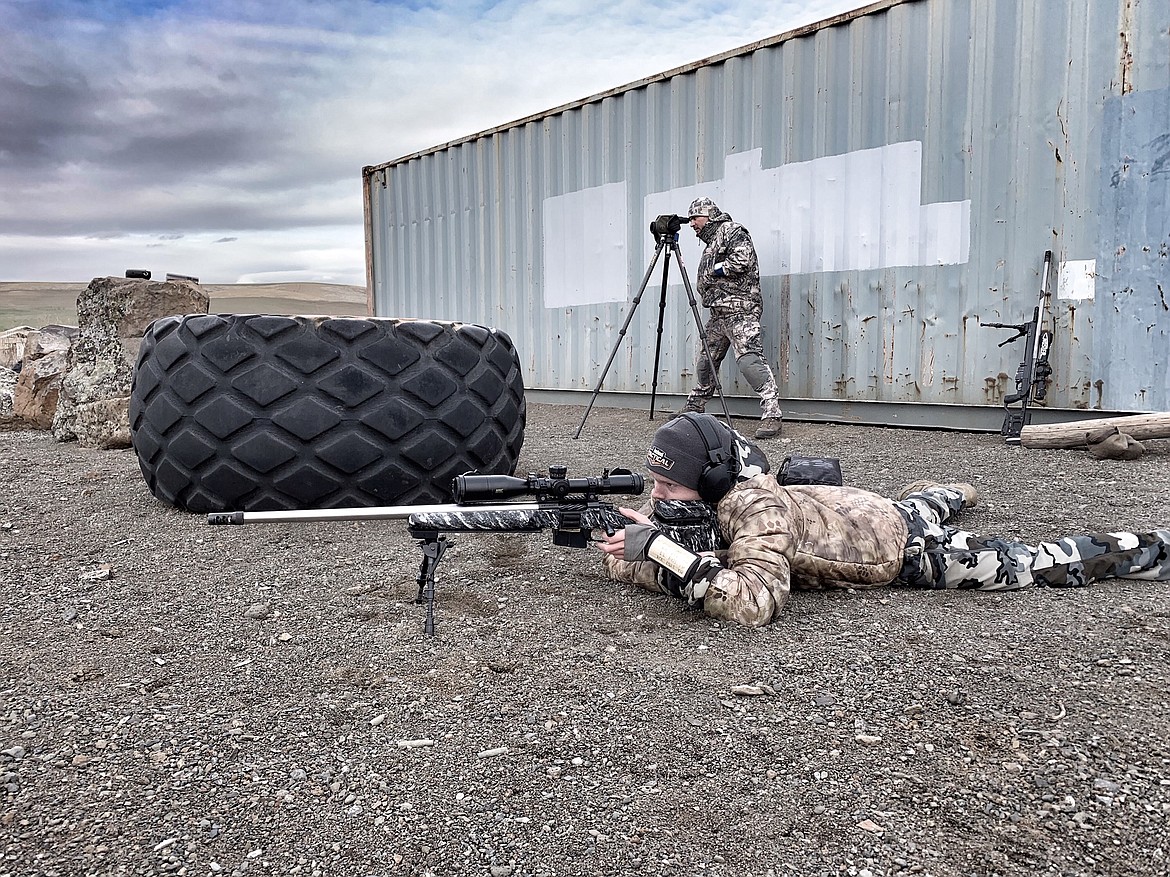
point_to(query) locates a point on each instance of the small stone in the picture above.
(415, 744)
(258, 611)
(752, 690)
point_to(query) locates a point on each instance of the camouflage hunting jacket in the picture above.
(728, 244)
(807, 537)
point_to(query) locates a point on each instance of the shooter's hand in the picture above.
(615, 545)
(641, 540)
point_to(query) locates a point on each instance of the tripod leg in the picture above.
(621, 335)
(658, 337)
(702, 332)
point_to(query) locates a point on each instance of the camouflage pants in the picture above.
(938, 556)
(741, 330)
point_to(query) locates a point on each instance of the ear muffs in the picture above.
(722, 466)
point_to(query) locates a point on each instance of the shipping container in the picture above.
(902, 169)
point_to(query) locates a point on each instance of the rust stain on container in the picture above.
(785, 316)
(1126, 54)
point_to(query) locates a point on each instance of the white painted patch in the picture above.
(1078, 280)
(857, 211)
(584, 247)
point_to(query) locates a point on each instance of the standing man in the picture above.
(729, 285)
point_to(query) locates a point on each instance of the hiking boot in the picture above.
(689, 408)
(769, 427)
(915, 487)
(970, 494)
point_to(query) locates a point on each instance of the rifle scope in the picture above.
(554, 486)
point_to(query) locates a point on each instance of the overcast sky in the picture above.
(226, 139)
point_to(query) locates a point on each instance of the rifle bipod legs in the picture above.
(433, 545)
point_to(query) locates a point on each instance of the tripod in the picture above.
(665, 231)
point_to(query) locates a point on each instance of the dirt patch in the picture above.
(156, 721)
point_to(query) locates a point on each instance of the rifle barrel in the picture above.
(373, 513)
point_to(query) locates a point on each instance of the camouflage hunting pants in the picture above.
(741, 330)
(938, 556)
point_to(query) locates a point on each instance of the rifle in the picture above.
(1034, 371)
(570, 507)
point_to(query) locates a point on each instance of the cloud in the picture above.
(330, 254)
(251, 120)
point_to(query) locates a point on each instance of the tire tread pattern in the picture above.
(256, 412)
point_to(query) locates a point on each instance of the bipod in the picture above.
(665, 232)
(433, 545)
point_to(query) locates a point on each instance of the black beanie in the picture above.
(678, 452)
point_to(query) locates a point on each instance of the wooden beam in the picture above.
(1075, 435)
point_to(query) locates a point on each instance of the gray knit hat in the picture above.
(677, 452)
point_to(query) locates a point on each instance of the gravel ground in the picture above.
(180, 699)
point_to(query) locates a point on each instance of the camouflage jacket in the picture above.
(805, 537)
(729, 244)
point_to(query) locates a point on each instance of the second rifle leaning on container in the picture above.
(1034, 372)
(570, 507)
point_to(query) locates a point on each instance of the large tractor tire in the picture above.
(253, 413)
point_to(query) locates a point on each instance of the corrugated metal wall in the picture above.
(902, 170)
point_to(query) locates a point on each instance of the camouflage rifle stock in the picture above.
(570, 507)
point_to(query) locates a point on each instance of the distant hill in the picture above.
(42, 304)
(335, 292)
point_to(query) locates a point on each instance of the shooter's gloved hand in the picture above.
(720, 269)
(638, 538)
(644, 542)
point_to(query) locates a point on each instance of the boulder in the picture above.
(47, 339)
(38, 386)
(7, 389)
(12, 343)
(112, 315)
